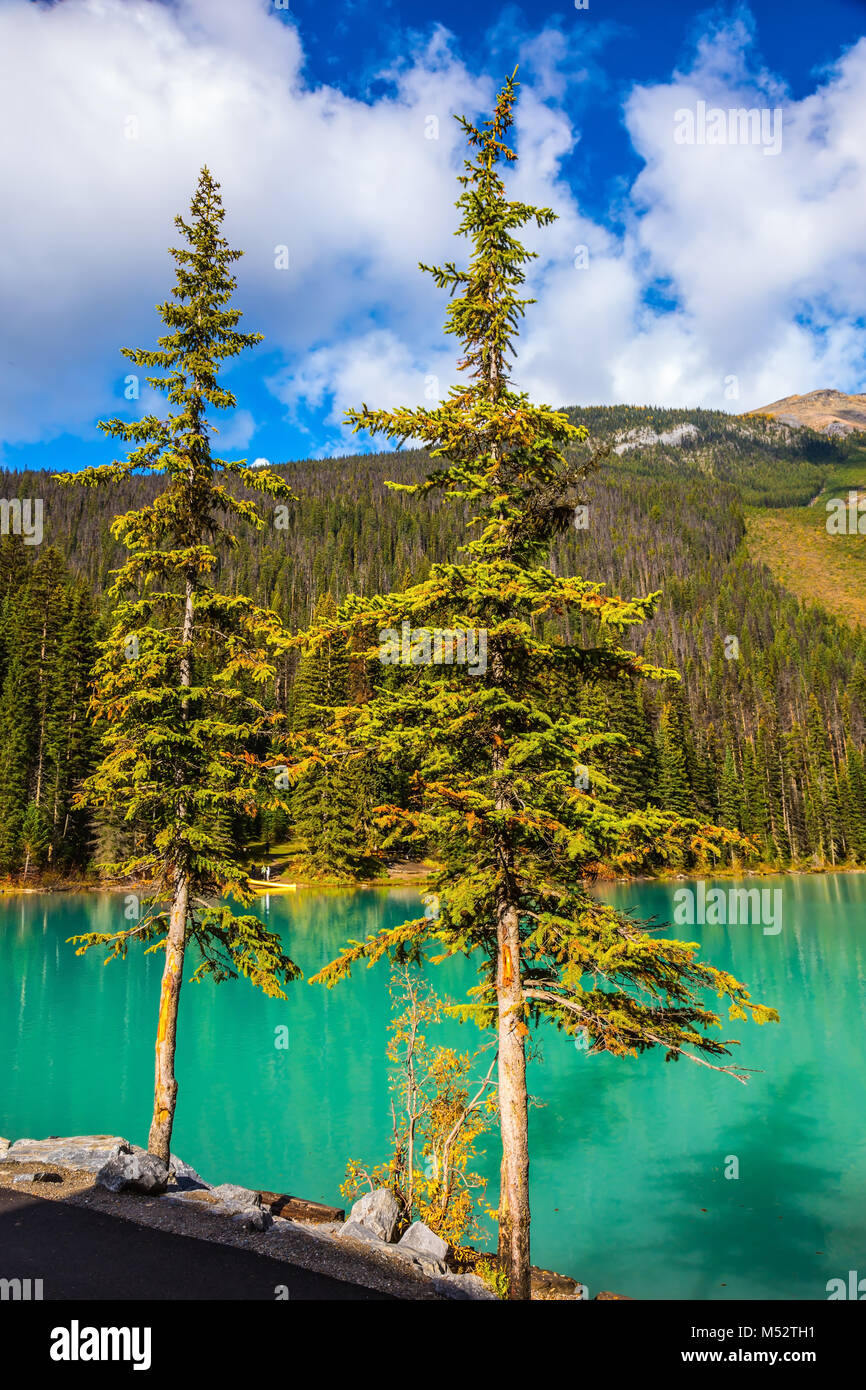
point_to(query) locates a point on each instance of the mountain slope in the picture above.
(768, 729)
(830, 412)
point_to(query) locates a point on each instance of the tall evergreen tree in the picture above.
(179, 674)
(495, 784)
(45, 737)
(328, 800)
(674, 790)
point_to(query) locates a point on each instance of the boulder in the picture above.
(252, 1219)
(183, 1177)
(86, 1152)
(244, 1205)
(379, 1211)
(238, 1203)
(420, 1240)
(231, 1195)
(463, 1286)
(134, 1172)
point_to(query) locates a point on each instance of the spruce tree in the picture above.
(674, 790)
(494, 790)
(328, 798)
(45, 738)
(180, 674)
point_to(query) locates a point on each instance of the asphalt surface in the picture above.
(81, 1254)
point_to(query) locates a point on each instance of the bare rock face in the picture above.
(379, 1211)
(86, 1152)
(138, 1171)
(827, 410)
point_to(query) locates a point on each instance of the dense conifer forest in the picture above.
(765, 735)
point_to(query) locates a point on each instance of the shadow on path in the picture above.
(80, 1254)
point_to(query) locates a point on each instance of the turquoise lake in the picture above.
(629, 1190)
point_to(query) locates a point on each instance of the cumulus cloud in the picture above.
(730, 263)
(373, 368)
(116, 104)
(759, 259)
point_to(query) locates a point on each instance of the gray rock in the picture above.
(420, 1240)
(196, 1197)
(322, 1228)
(379, 1211)
(238, 1198)
(243, 1205)
(425, 1264)
(463, 1286)
(134, 1172)
(353, 1230)
(87, 1152)
(184, 1177)
(239, 1204)
(252, 1219)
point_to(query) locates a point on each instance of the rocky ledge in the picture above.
(370, 1248)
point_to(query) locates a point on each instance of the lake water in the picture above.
(628, 1156)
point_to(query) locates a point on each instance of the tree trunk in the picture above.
(513, 1110)
(165, 1085)
(513, 1104)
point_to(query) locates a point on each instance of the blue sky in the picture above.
(722, 275)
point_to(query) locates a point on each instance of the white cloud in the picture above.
(762, 254)
(375, 368)
(235, 433)
(114, 105)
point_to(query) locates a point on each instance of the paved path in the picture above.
(81, 1254)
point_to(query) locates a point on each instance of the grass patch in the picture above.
(818, 568)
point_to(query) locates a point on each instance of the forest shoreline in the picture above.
(423, 881)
